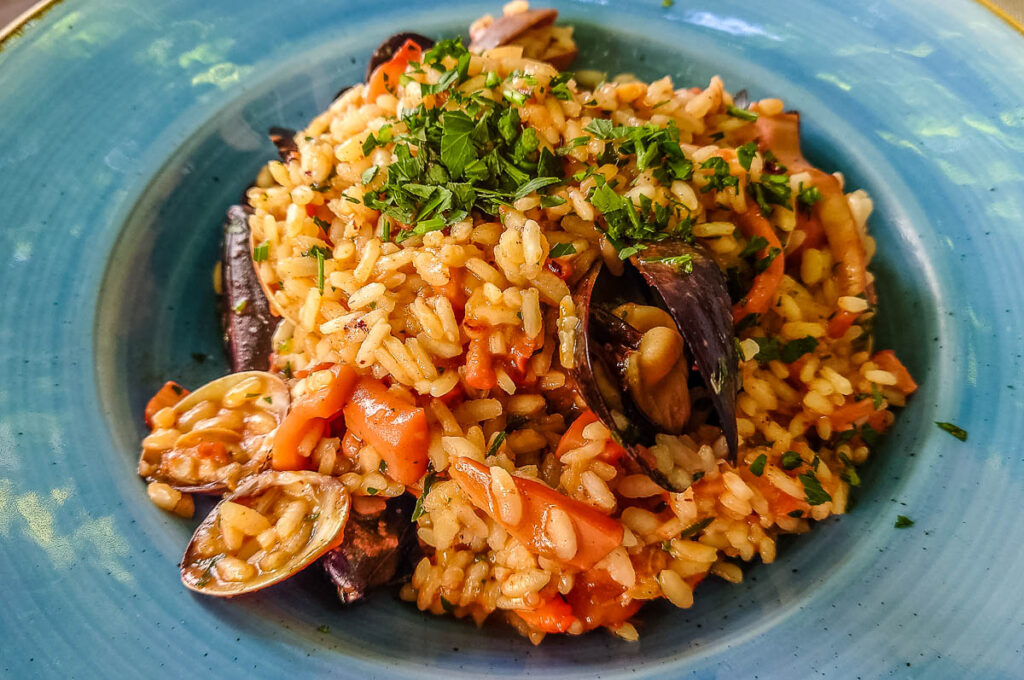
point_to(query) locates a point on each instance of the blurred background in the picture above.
(11, 9)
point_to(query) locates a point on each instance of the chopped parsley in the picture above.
(683, 263)
(551, 201)
(812, 489)
(742, 114)
(261, 252)
(240, 306)
(446, 605)
(370, 491)
(876, 396)
(720, 177)
(794, 349)
(696, 527)
(770, 349)
(561, 250)
(791, 460)
(745, 154)
(383, 466)
(369, 174)
(773, 189)
(809, 195)
(428, 481)
(321, 254)
(753, 245)
(957, 432)
(849, 473)
(757, 467)
(903, 522)
(766, 261)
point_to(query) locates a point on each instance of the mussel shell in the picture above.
(509, 27)
(284, 140)
(377, 550)
(699, 303)
(387, 49)
(590, 367)
(246, 315)
(274, 387)
(333, 502)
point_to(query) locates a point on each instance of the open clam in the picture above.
(216, 436)
(637, 336)
(271, 527)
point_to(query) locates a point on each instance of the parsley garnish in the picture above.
(261, 252)
(369, 174)
(240, 306)
(745, 154)
(957, 432)
(809, 196)
(370, 491)
(696, 527)
(684, 263)
(903, 522)
(876, 396)
(771, 190)
(561, 250)
(795, 349)
(849, 473)
(320, 253)
(720, 179)
(753, 245)
(812, 489)
(428, 481)
(757, 467)
(383, 466)
(496, 443)
(766, 261)
(791, 460)
(742, 114)
(551, 201)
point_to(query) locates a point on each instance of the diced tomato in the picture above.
(168, 395)
(385, 77)
(479, 365)
(851, 413)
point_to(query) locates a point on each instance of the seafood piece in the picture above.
(533, 30)
(377, 550)
(273, 526)
(246, 317)
(636, 337)
(216, 436)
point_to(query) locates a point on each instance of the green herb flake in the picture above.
(561, 250)
(492, 80)
(849, 473)
(321, 254)
(791, 460)
(383, 466)
(754, 245)
(240, 306)
(767, 350)
(269, 400)
(428, 481)
(762, 264)
(683, 263)
(794, 349)
(696, 527)
(903, 522)
(809, 196)
(745, 154)
(666, 546)
(812, 489)
(446, 605)
(496, 443)
(261, 252)
(957, 432)
(551, 201)
(370, 491)
(369, 174)
(757, 467)
(323, 628)
(742, 114)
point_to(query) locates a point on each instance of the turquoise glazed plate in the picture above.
(128, 126)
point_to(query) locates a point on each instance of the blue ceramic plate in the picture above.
(129, 125)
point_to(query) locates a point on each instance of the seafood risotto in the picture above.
(525, 342)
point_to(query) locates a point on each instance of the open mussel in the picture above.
(274, 525)
(376, 551)
(216, 436)
(637, 337)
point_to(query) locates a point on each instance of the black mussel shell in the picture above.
(284, 139)
(377, 550)
(685, 281)
(245, 312)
